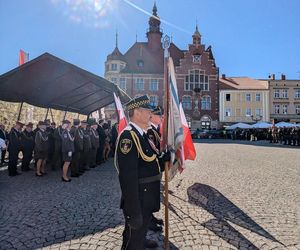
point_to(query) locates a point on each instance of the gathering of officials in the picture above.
(73, 148)
(78, 146)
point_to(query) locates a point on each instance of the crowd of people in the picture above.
(284, 135)
(87, 144)
(78, 146)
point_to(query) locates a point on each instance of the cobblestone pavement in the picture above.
(236, 195)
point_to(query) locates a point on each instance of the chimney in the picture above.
(282, 77)
(223, 76)
(272, 77)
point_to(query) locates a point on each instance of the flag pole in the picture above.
(166, 45)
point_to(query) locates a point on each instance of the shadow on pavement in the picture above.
(40, 212)
(224, 211)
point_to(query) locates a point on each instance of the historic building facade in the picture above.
(243, 99)
(284, 99)
(139, 71)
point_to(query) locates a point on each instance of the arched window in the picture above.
(187, 102)
(206, 103)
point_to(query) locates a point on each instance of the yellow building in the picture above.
(243, 99)
(284, 99)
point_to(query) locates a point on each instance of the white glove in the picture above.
(70, 154)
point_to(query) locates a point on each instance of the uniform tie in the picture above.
(151, 143)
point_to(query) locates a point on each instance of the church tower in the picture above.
(154, 33)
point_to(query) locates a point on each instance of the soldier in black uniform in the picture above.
(41, 148)
(57, 156)
(94, 142)
(14, 147)
(139, 172)
(154, 135)
(51, 140)
(102, 137)
(67, 148)
(84, 158)
(28, 138)
(77, 134)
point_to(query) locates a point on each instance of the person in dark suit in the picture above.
(67, 149)
(154, 135)
(41, 149)
(94, 142)
(102, 136)
(138, 166)
(14, 147)
(57, 156)
(4, 137)
(27, 146)
(84, 158)
(78, 147)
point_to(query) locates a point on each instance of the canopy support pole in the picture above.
(47, 114)
(51, 115)
(20, 110)
(65, 115)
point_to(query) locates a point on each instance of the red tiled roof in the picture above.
(242, 83)
(153, 60)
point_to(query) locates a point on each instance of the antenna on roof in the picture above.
(116, 37)
(136, 36)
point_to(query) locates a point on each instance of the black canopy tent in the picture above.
(50, 82)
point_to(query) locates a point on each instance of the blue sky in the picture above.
(249, 38)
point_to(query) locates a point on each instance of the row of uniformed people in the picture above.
(77, 145)
(140, 163)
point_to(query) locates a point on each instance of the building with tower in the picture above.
(140, 69)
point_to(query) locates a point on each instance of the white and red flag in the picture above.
(122, 118)
(188, 145)
(23, 57)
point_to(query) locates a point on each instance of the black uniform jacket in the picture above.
(14, 138)
(137, 165)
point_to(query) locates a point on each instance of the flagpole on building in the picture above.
(166, 45)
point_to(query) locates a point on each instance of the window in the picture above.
(248, 112)
(153, 100)
(284, 94)
(257, 97)
(186, 102)
(139, 84)
(196, 58)
(284, 109)
(227, 97)
(277, 108)
(248, 97)
(114, 67)
(206, 103)
(227, 112)
(114, 80)
(123, 83)
(276, 93)
(196, 79)
(297, 93)
(258, 112)
(153, 86)
(140, 63)
(298, 109)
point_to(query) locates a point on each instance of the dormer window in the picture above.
(196, 58)
(140, 63)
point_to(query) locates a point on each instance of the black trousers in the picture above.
(92, 157)
(57, 159)
(12, 162)
(135, 239)
(75, 164)
(84, 160)
(27, 157)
